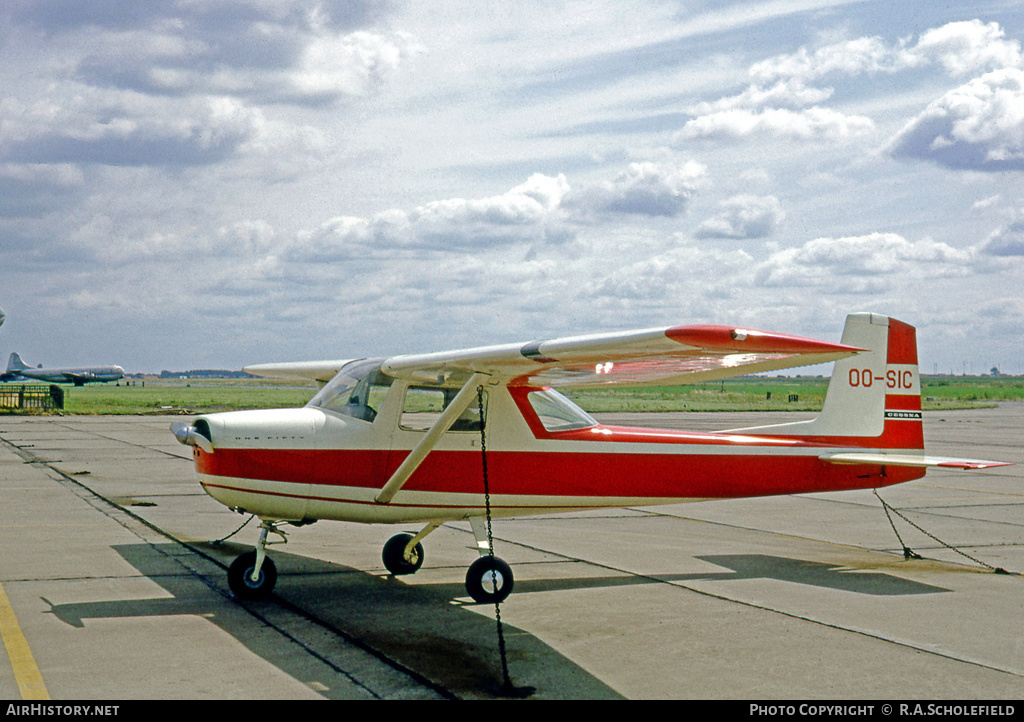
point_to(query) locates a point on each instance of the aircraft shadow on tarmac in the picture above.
(420, 626)
(416, 628)
(817, 574)
(754, 566)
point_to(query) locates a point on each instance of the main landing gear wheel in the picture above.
(394, 559)
(240, 577)
(489, 579)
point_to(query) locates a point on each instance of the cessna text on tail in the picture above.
(398, 440)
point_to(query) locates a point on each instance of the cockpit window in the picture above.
(558, 413)
(356, 391)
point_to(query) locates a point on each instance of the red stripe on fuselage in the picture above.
(583, 474)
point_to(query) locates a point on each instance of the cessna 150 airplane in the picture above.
(416, 439)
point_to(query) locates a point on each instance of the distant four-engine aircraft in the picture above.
(417, 439)
(18, 369)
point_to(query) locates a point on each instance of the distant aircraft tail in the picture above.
(14, 363)
(873, 401)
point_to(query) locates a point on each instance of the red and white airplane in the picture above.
(398, 440)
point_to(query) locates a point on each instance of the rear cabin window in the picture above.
(557, 413)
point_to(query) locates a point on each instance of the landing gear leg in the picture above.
(403, 553)
(253, 574)
(489, 579)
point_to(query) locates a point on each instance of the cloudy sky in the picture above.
(189, 184)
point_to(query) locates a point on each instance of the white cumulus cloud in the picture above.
(861, 263)
(743, 216)
(648, 189)
(968, 47)
(1007, 241)
(810, 124)
(961, 48)
(978, 126)
(851, 57)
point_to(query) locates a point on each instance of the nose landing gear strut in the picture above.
(253, 574)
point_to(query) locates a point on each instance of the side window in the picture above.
(375, 394)
(557, 413)
(422, 407)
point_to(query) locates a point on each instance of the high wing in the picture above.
(319, 371)
(672, 355)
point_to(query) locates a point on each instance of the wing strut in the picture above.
(459, 404)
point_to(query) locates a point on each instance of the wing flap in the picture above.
(650, 357)
(919, 460)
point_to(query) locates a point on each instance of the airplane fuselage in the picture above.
(313, 463)
(18, 369)
(76, 376)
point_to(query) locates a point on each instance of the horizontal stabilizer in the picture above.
(910, 460)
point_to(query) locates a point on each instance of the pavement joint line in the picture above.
(90, 496)
(122, 441)
(923, 512)
(752, 605)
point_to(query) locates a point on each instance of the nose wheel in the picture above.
(253, 574)
(249, 583)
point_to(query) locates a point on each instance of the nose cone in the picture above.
(263, 429)
(261, 461)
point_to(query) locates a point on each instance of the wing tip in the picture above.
(734, 339)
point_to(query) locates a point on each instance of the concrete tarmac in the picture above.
(113, 586)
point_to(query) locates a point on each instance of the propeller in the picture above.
(187, 434)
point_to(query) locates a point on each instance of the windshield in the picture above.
(356, 391)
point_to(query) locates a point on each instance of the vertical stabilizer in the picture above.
(874, 397)
(14, 363)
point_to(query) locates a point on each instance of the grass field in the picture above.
(791, 394)
(185, 397)
(745, 394)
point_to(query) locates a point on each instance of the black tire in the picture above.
(393, 558)
(489, 579)
(240, 577)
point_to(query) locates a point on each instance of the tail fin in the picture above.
(14, 363)
(873, 403)
(874, 398)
